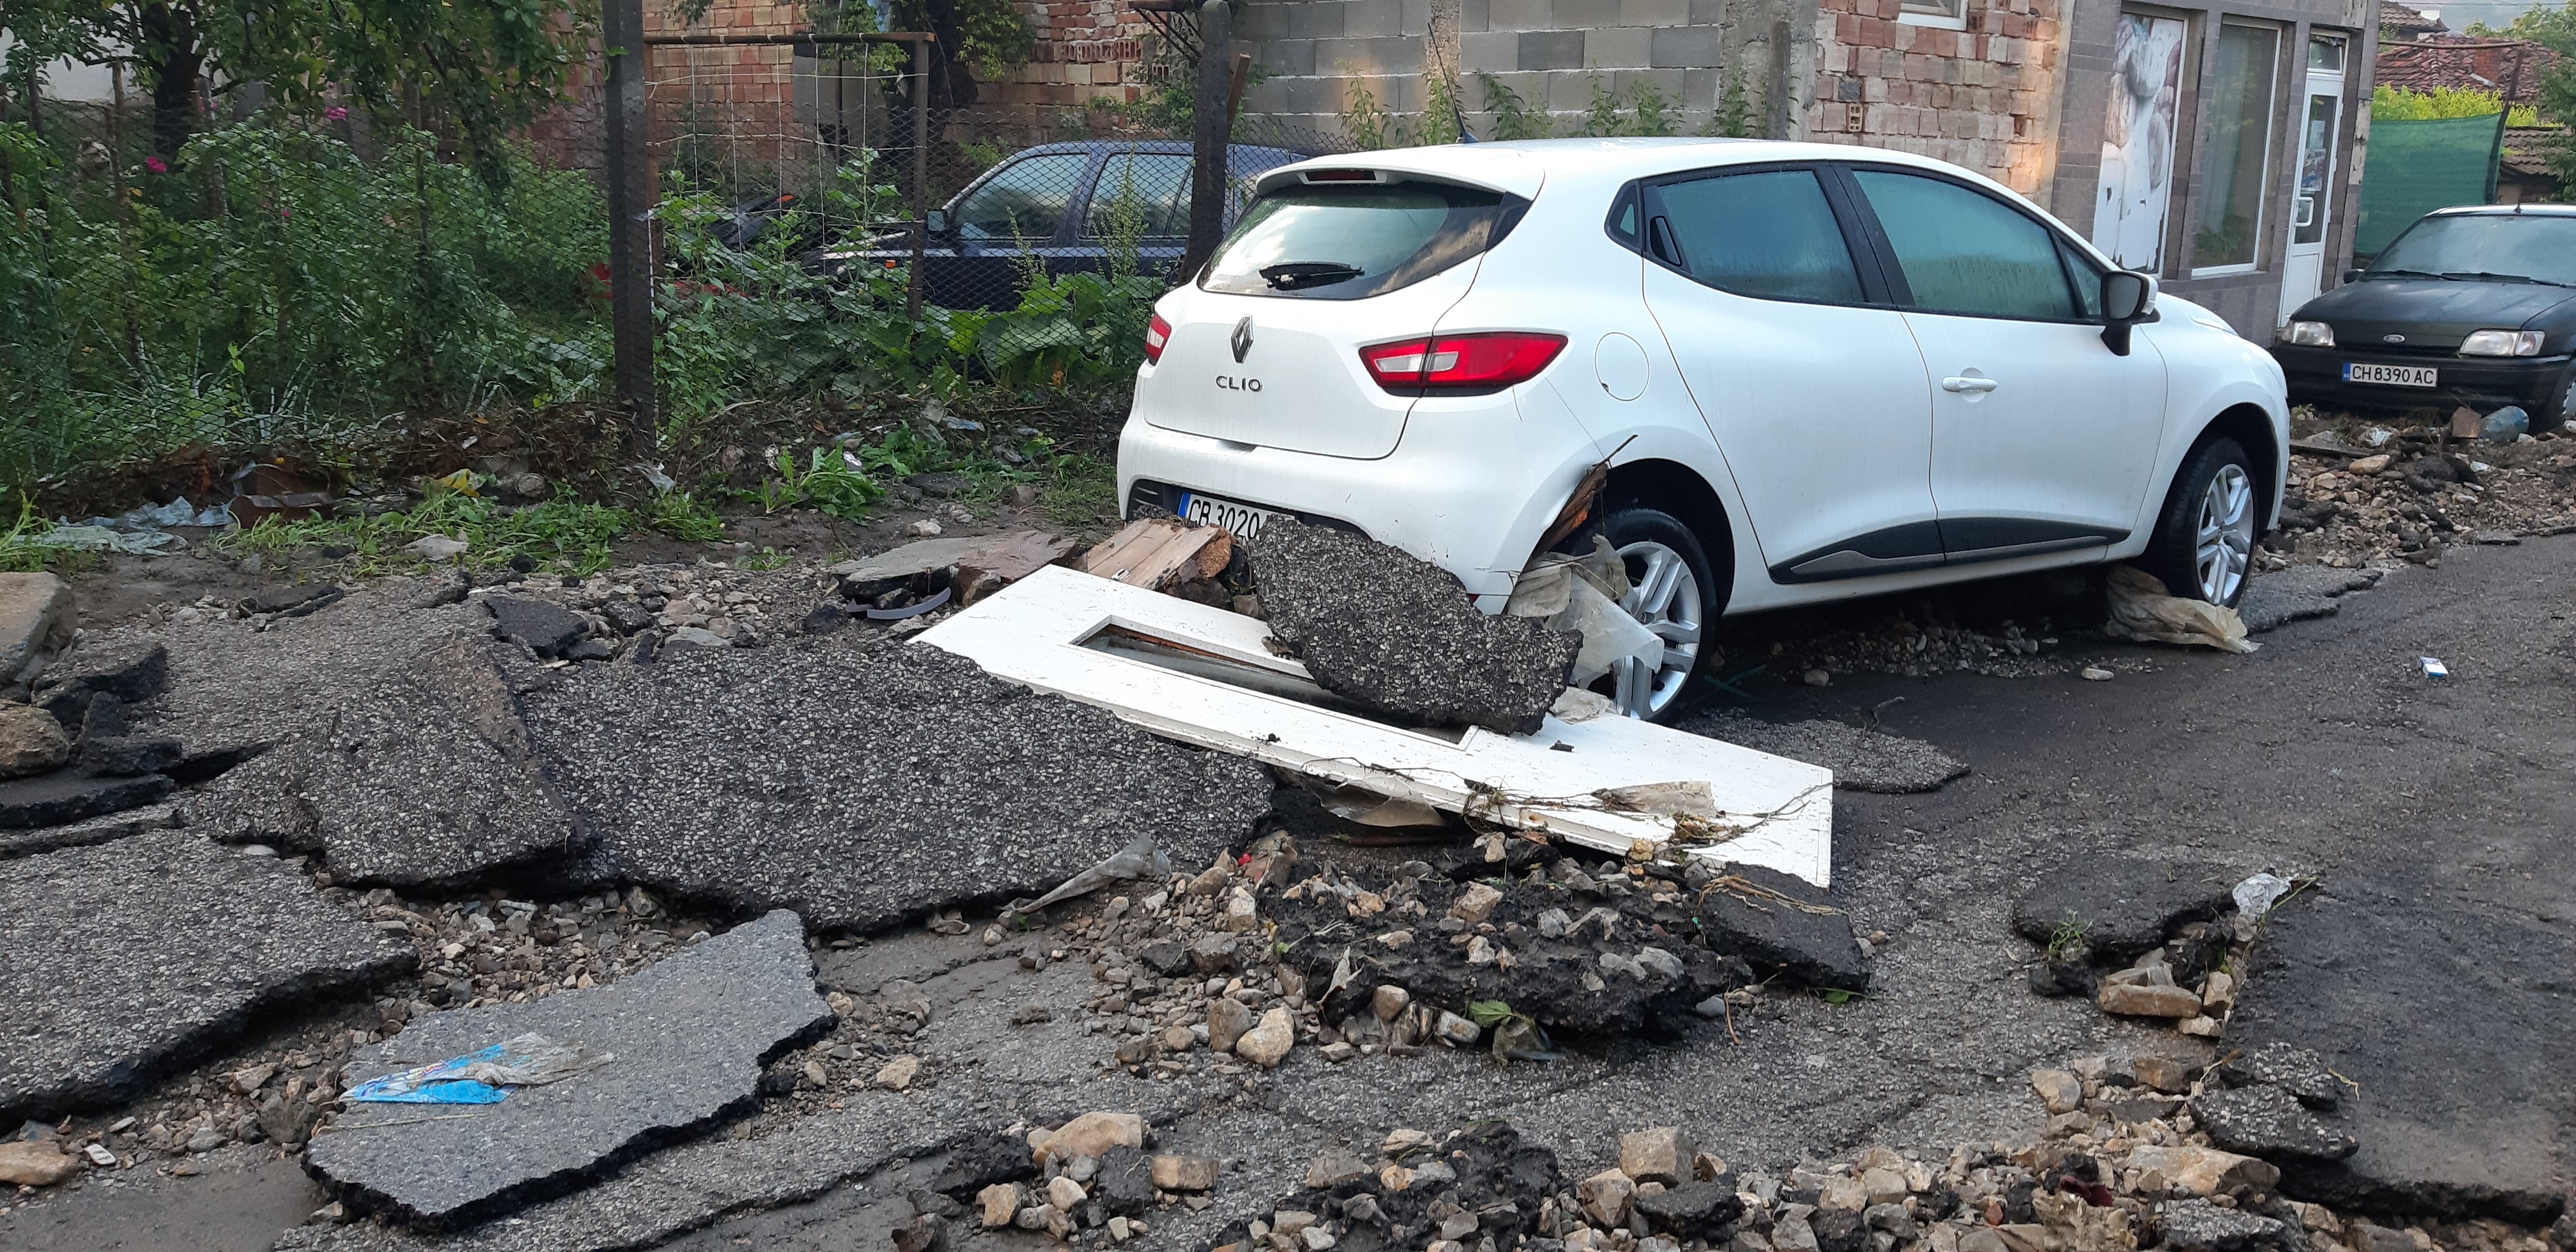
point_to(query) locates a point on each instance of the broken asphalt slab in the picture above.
(424, 778)
(2117, 907)
(2467, 1114)
(2299, 592)
(120, 960)
(64, 798)
(1862, 760)
(132, 670)
(686, 1039)
(1377, 625)
(863, 785)
(121, 825)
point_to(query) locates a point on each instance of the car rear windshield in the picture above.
(1350, 242)
(2537, 247)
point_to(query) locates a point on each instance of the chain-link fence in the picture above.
(322, 279)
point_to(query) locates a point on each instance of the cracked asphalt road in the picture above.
(2433, 813)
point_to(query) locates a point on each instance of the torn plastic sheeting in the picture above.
(83, 537)
(1138, 860)
(2256, 895)
(1365, 806)
(1581, 594)
(2142, 609)
(529, 1060)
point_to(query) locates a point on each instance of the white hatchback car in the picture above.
(1819, 372)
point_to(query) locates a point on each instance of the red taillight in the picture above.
(1482, 362)
(1157, 333)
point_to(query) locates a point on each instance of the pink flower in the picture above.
(336, 113)
(156, 165)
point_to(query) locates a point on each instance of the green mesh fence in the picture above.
(2417, 166)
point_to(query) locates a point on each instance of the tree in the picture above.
(2554, 29)
(483, 67)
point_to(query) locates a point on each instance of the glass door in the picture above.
(2311, 204)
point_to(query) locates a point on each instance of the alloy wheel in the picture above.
(1665, 598)
(2226, 540)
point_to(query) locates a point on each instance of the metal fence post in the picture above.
(1211, 135)
(920, 173)
(630, 240)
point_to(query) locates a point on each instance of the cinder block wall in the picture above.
(1550, 53)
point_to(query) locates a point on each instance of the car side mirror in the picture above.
(2128, 298)
(2352, 275)
(937, 222)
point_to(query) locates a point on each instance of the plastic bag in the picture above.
(2141, 609)
(1581, 594)
(529, 1060)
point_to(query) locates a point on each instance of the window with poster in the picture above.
(2135, 193)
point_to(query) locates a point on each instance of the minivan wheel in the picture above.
(1674, 593)
(2204, 544)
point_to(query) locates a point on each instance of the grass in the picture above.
(564, 535)
(2067, 939)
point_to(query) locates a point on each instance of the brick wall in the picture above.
(1983, 97)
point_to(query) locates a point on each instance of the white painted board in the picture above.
(1033, 632)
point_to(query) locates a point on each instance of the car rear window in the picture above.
(1350, 242)
(2539, 247)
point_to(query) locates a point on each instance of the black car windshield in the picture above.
(1344, 243)
(2535, 247)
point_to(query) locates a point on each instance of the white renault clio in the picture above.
(1819, 372)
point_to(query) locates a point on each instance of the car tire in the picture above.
(2203, 545)
(1677, 595)
(2550, 418)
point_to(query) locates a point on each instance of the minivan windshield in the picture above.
(1349, 242)
(2505, 247)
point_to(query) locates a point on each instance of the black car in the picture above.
(2472, 307)
(1062, 207)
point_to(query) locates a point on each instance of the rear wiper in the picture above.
(2492, 277)
(1299, 275)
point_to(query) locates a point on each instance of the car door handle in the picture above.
(1974, 385)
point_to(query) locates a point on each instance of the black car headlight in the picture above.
(2311, 335)
(2502, 343)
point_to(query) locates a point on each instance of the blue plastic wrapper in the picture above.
(479, 1077)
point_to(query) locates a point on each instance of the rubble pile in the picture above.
(2416, 495)
(1090, 1179)
(2167, 935)
(1481, 1187)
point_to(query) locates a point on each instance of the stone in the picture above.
(2294, 1069)
(1456, 1031)
(548, 629)
(1187, 1173)
(897, 1074)
(1780, 923)
(36, 617)
(1605, 1197)
(1388, 1001)
(1092, 1135)
(2200, 1226)
(39, 1164)
(1213, 953)
(1379, 626)
(424, 778)
(1227, 1019)
(1692, 1210)
(1335, 1166)
(31, 741)
(2204, 1171)
(126, 756)
(688, 1034)
(2119, 907)
(2060, 1091)
(1065, 1194)
(2268, 1122)
(1001, 1202)
(1862, 760)
(1124, 1183)
(287, 1123)
(866, 785)
(1883, 1186)
(124, 959)
(1796, 1234)
(1267, 1044)
(1476, 903)
(1662, 1155)
(1890, 1217)
(2134, 1000)
(113, 826)
(1843, 1230)
(60, 799)
(1842, 1193)
(2373, 1237)
(2171, 1075)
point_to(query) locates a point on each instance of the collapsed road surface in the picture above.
(2425, 962)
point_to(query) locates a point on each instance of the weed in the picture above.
(2067, 938)
(1514, 118)
(764, 560)
(564, 535)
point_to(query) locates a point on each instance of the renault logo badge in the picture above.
(1242, 340)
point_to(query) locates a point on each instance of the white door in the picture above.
(2042, 437)
(2303, 271)
(1819, 405)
